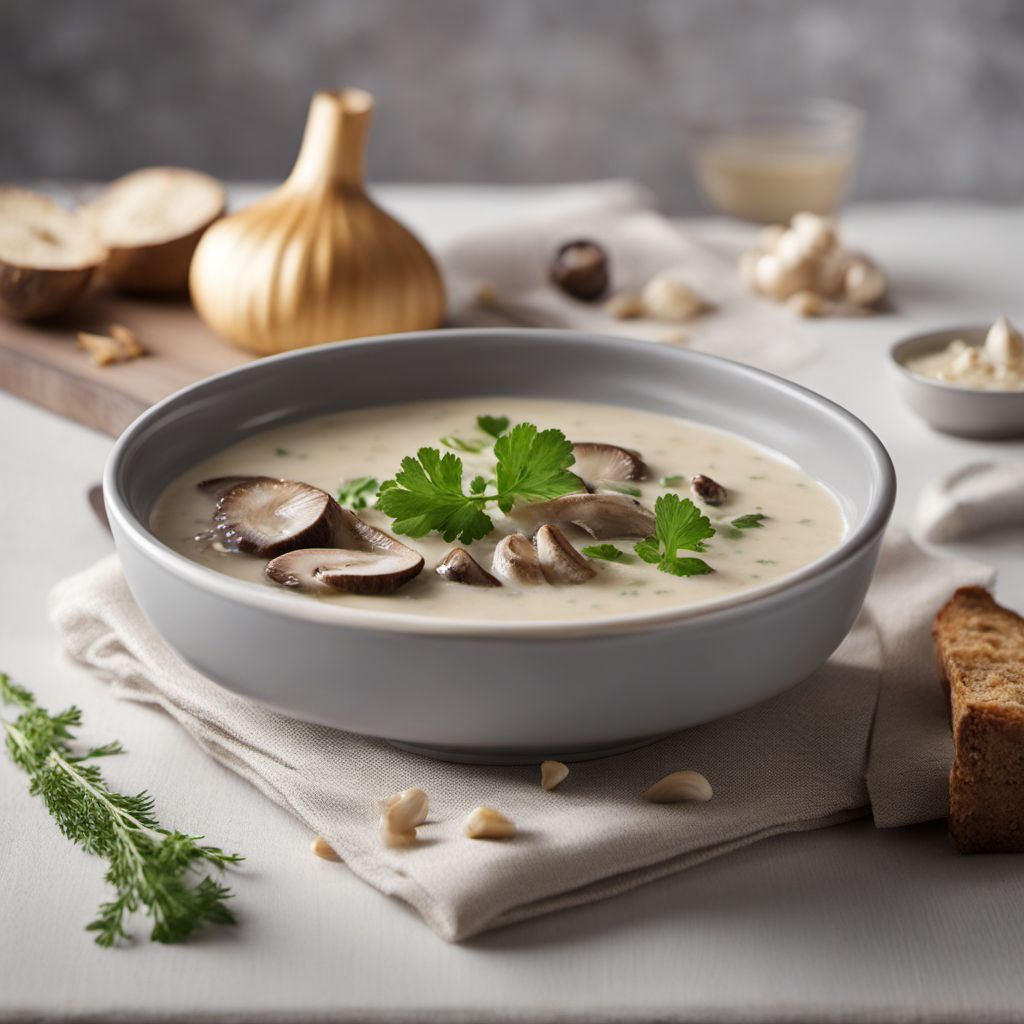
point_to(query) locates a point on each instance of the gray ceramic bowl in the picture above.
(966, 412)
(549, 690)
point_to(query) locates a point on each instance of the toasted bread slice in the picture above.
(980, 647)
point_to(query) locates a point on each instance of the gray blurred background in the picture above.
(508, 90)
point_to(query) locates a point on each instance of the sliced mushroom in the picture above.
(326, 570)
(603, 516)
(217, 486)
(459, 566)
(357, 535)
(596, 461)
(268, 517)
(559, 560)
(515, 558)
(711, 492)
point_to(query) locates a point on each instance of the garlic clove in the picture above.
(552, 774)
(406, 810)
(680, 787)
(487, 823)
(817, 234)
(779, 280)
(667, 297)
(864, 284)
(1004, 346)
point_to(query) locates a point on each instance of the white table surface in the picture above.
(849, 922)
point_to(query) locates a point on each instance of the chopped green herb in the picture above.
(281, 451)
(358, 492)
(633, 492)
(679, 524)
(493, 425)
(477, 485)
(753, 521)
(607, 553)
(458, 444)
(151, 868)
(767, 561)
(757, 476)
(805, 522)
(672, 481)
(426, 494)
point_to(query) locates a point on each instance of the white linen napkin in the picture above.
(499, 275)
(971, 499)
(869, 729)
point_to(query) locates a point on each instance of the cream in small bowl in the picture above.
(967, 381)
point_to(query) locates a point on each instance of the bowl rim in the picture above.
(295, 606)
(947, 334)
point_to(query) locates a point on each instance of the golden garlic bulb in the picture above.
(316, 261)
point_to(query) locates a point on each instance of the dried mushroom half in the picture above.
(48, 256)
(603, 516)
(262, 516)
(559, 561)
(459, 566)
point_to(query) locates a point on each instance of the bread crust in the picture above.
(980, 649)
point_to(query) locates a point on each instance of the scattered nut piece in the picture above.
(404, 811)
(679, 787)
(864, 283)
(321, 848)
(808, 304)
(1004, 344)
(552, 774)
(625, 305)
(667, 297)
(119, 346)
(711, 492)
(487, 823)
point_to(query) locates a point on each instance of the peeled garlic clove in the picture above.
(316, 261)
(323, 849)
(406, 810)
(808, 304)
(817, 234)
(1004, 345)
(552, 774)
(487, 823)
(864, 284)
(779, 280)
(768, 237)
(396, 839)
(680, 787)
(830, 273)
(792, 249)
(667, 297)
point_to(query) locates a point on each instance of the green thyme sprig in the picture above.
(152, 870)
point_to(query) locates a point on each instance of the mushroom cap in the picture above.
(327, 570)
(559, 560)
(603, 516)
(459, 566)
(268, 517)
(515, 558)
(598, 461)
(218, 486)
(580, 269)
(711, 492)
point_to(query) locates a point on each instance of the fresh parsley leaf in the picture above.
(458, 444)
(426, 494)
(533, 465)
(493, 425)
(678, 524)
(672, 481)
(477, 485)
(753, 521)
(633, 492)
(152, 869)
(358, 492)
(606, 552)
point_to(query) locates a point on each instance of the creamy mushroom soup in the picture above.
(768, 517)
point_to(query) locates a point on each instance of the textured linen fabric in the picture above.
(814, 756)
(499, 275)
(971, 499)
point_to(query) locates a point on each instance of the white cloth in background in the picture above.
(866, 733)
(507, 263)
(971, 499)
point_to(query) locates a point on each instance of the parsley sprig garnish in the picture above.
(427, 493)
(358, 492)
(606, 553)
(152, 869)
(751, 521)
(679, 525)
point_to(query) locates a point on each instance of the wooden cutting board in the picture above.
(43, 364)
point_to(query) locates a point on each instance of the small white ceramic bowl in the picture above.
(500, 691)
(950, 408)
